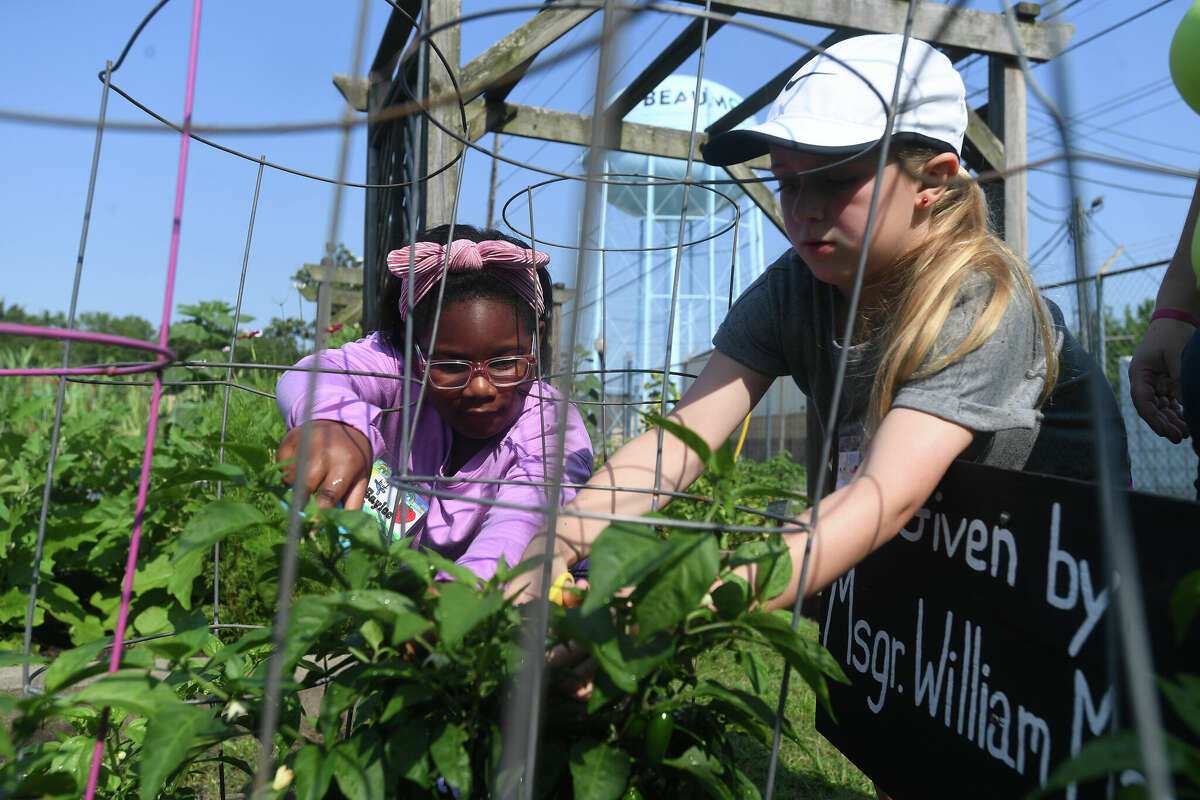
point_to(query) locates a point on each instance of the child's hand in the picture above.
(339, 462)
(1154, 377)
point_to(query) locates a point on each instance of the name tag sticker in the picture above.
(383, 495)
(849, 456)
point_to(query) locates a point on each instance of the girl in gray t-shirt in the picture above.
(951, 352)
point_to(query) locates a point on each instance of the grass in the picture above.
(817, 771)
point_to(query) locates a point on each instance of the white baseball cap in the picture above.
(836, 104)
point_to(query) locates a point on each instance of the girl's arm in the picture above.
(712, 407)
(346, 412)
(1154, 368)
(904, 463)
(354, 400)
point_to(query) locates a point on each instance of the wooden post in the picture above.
(1016, 184)
(1006, 115)
(441, 148)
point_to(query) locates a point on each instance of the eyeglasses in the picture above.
(502, 371)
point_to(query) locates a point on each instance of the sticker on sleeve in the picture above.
(383, 495)
(849, 456)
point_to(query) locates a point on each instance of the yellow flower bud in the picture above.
(283, 778)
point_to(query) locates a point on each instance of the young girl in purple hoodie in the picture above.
(483, 426)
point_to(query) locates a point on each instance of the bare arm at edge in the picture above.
(1154, 368)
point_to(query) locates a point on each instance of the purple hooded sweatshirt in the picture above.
(471, 533)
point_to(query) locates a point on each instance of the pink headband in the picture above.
(505, 261)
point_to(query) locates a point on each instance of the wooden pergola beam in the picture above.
(631, 137)
(984, 139)
(939, 24)
(506, 61)
(562, 126)
(661, 67)
(757, 191)
(391, 44)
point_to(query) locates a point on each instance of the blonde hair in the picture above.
(959, 244)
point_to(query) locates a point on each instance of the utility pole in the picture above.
(1078, 227)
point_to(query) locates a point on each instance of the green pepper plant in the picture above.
(410, 672)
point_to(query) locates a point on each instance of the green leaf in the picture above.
(338, 697)
(173, 730)
(721, 463)
(730, 598)
(1184, 699)
(214, 522)
(152, 620)
(47, 784)
(772, 490)
(1099, 757)
(450, 757)
(624, 553)
(69, 665)
(775, 565)
(186, 568)
(406, 754)
(460, 607)
(1185, 604)
(60, 602)
(230, 473)
(372, 633)
(152, 575)
(683, 433)
(598, 771)
(313, 773)
(74, 756)
(704, 768)
(755, 669)
(131, 691)
(257, 457)
(14, 603)
(189, 637)
(624, 661)
(8, 659)
(405, 695)
(677, 588)
(747, 710)
(358, 767)
(813, 662)
(456, 572)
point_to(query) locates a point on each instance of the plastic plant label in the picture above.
(383, 495)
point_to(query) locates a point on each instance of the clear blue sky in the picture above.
(272, 61)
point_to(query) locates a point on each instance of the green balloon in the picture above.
(1196, 255)
(1184, 58)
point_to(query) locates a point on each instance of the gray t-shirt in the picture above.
(784, 324)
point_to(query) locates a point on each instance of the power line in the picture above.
(1109, 105)
(1054, 145)
(1039, 215)
(1098, 130)
(1124, 186)
(1095, 36)
(1112, 28)
(1053, 241)
(1121, 102)
(1049, 206)
(1111, 240)
(1058, 12)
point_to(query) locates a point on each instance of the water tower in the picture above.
(636, 286)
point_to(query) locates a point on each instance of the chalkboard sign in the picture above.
(977, 640)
